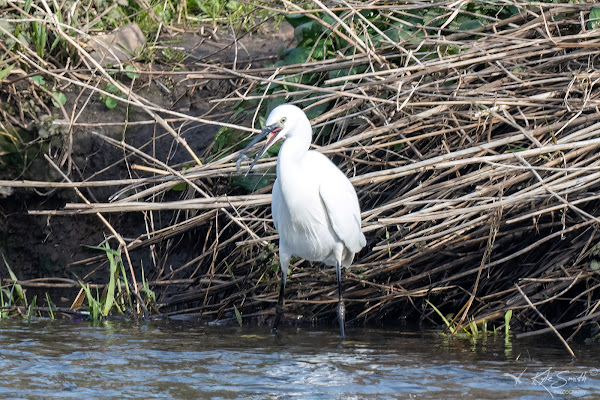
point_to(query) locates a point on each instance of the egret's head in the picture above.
(284, 121)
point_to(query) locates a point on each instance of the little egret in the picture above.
(315, 208)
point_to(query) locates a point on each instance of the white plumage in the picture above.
(315, 208)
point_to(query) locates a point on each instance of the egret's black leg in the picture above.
(341, 307)
(279, 306)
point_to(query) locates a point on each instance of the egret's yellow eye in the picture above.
(282, 120)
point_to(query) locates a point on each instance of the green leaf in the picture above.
(107, 250)
(180, 187)
(308, 32)
(328, 19)
(111, 102)
(233, 5)
(441, 315)
(274, 149)
(296, 20)
(507, 318)
(39, 80)
(238, 315)
(110, 293)
(317, 110)
(131, 72)
(13, 277)
(474, 329)
(393, 34)
(517, 149)
(50, 304)
(6, 71)
(31, 307)
(252, 182)
(58, 99)
(124, 275)
(110, 88)
(370, 14)
(322, 48)
(470, 24)
(24, 39)
(150, 295)
(54, 44)
(2, 304)
(336, 73)
(432, 14)
(272, 103)
(594, 22)
(94, 305)
(165, 15)
(298, 55)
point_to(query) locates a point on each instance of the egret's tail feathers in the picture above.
(347, 258)
(348, 255)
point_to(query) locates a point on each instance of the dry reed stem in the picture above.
(564, 342)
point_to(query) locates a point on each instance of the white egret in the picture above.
(315, 208)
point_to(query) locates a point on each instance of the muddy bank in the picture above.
(55, 246)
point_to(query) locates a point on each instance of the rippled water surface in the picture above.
(184, 360)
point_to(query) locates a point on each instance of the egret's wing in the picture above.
(339, 197)
(276, 204)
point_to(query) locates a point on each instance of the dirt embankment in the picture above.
(56, 246)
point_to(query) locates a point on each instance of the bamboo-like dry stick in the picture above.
(564, 342)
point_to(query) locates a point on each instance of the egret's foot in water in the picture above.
(278, 313)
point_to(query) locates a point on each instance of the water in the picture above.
(184, 360)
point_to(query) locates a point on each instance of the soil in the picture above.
(39, 246)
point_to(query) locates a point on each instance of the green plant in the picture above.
(31, 309)
(118, 294)
(109, 101)
(131, 72)
(94, 304)
(507, 318)
(172, 56)
(15, 296)
(40, 33)
(471, 330)
(16, 293)
(3, 314)
(16, 151)
(594, 21)
(146, 291)
(50, 305)
(58, 98)
(6, 71)
(238, 315)
(213, 9)
(451, 327)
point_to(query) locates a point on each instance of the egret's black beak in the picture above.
(271, 132)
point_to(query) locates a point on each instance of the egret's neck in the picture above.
(291, 153)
